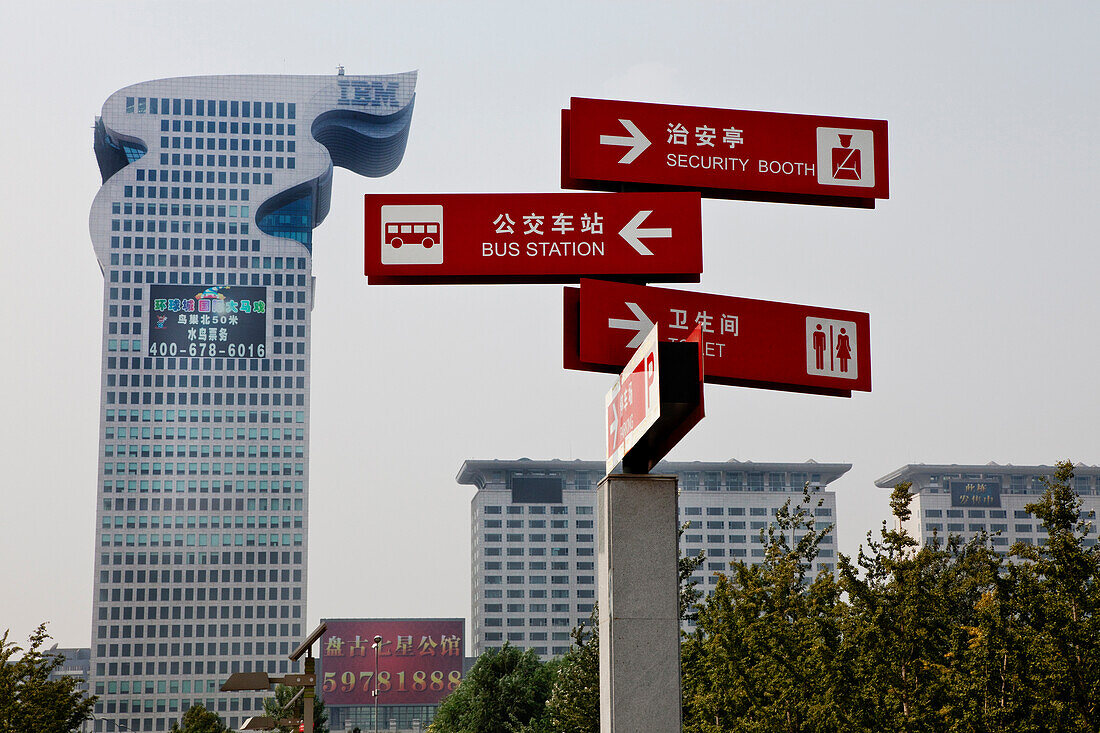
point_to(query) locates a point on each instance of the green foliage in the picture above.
(955, 638)
(504, 692)
(198, 719)
(766, 640)
(952, 638)
(276, 707)
(689, 592)
(29, 700)
(574, 704)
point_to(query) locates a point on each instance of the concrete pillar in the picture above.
(639, 605)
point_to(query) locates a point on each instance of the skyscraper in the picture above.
(534, 536)
(212, 187)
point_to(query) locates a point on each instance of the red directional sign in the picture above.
(750, 343)
(634, 402)
(725, 153)
(532, 237)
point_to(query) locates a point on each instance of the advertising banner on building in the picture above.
(419, 661)
(192, 320)
(977, 494)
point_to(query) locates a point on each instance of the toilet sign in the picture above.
(725, 153)
(831, 348)
(744, 342)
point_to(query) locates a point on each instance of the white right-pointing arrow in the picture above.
(642, 324)
(637, 141)
(633, 235)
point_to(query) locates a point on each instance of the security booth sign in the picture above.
(724, 153)
(531, 237)
(656, 400)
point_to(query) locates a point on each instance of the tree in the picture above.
(689, 590)
(1060, 602)
(765, 644)
(29, 700)
(503, 692)
(198, 719)
(574, 704)
(276, 707)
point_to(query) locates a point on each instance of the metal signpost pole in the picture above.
(307, 698)
(377, 648)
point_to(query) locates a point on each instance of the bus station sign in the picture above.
(745, 342)
(531, 237)
(725, 153)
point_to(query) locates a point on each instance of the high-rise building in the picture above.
(212, 187)
(966, 500)
(534, 536)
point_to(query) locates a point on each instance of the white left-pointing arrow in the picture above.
(637, 141)
(633, 235)
(641, 325)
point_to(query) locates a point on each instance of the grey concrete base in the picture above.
(639, 605)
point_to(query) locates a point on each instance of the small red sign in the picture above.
(745, 342)
(634, 402)
(531, 238)
(725, 153)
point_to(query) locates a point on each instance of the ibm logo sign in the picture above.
(367, 93)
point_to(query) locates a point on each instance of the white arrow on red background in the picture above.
(642, 324)
(633, 235)
(637, 141)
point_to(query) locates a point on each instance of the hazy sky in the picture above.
(978, 272)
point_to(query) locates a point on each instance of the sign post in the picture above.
(655, 401)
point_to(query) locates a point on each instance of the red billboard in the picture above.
(531, 237)
(749, 343)
(725, 153)
(419, 661)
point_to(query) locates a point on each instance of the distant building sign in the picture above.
(976, 494)
(220, 321)
(419, 661)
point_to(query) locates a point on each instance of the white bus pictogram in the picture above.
(412, 234)
(424, 233)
